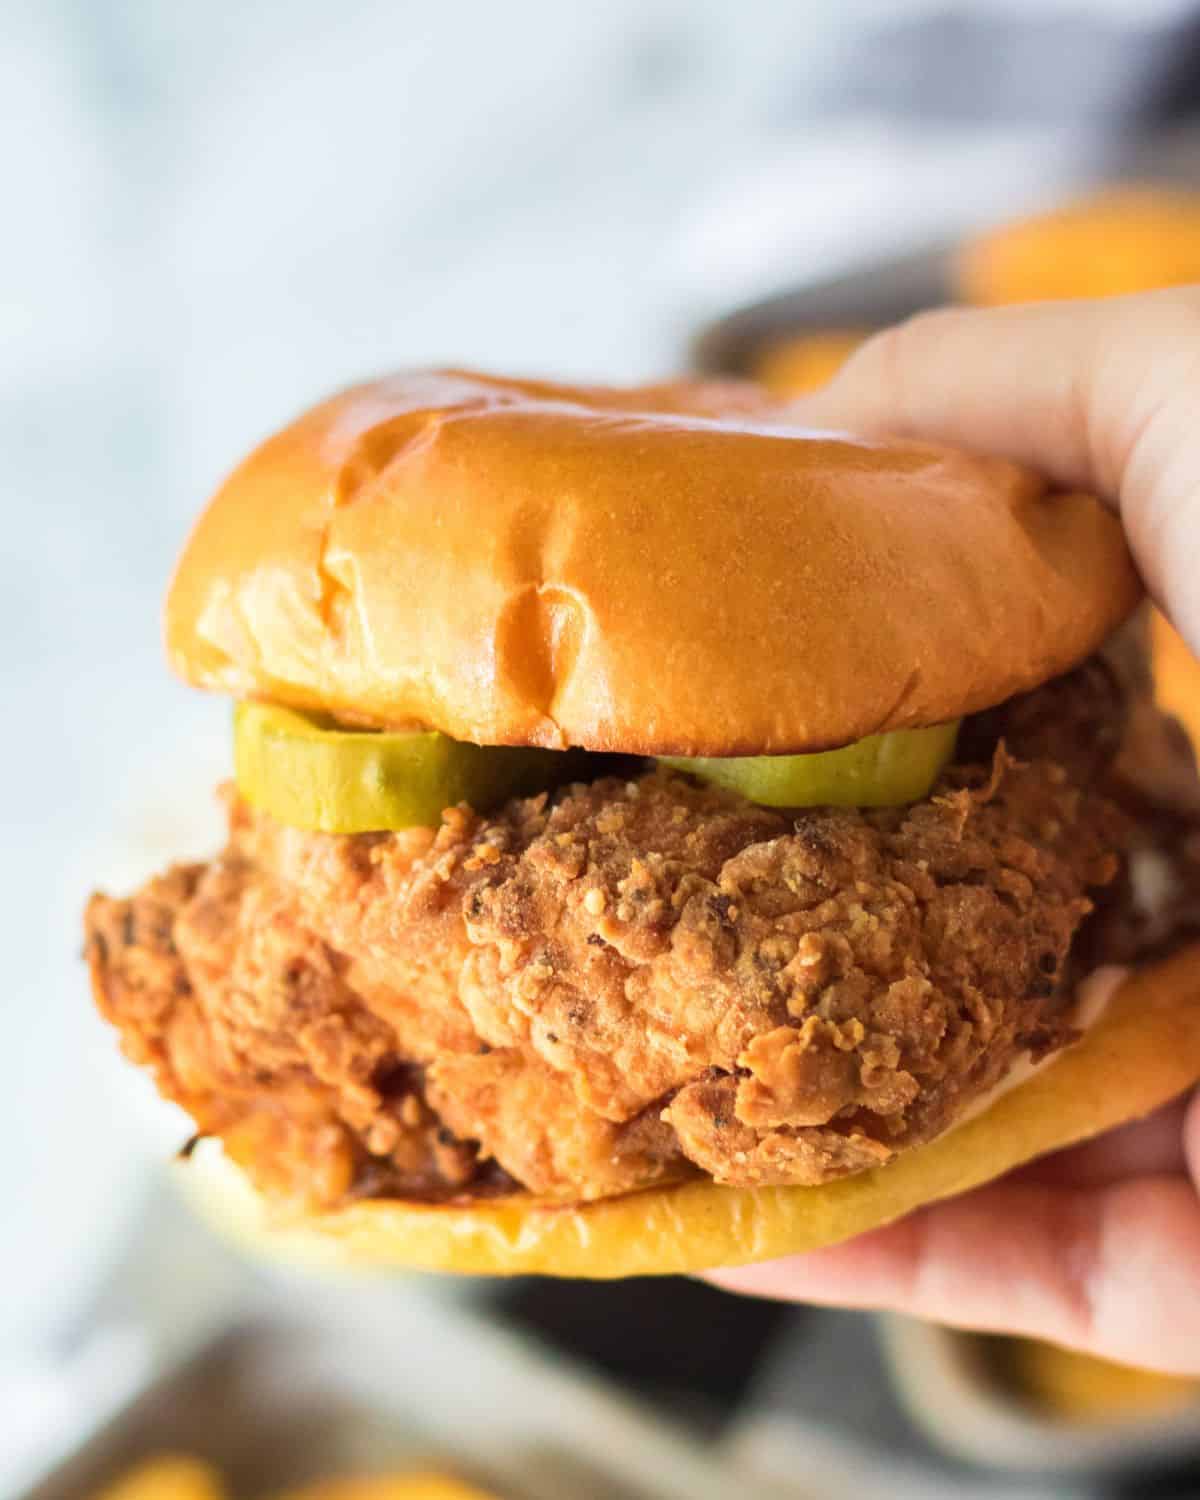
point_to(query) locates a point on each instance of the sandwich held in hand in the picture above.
(660, 836)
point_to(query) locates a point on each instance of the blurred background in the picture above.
(215, 214)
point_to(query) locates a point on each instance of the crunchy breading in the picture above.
(627, 982)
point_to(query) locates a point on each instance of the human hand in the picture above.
(1099, 1247)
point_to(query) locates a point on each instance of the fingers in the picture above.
(1112, 1270)
(1098, 395)
(1150, 1147)
(1191, 1137)
(1006, 381)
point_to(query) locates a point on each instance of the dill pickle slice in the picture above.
(883, 770)
(306, 771)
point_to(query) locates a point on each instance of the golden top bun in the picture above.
(671, 570)
(1141, 1052)
(1128, 238)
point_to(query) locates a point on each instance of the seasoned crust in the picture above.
(243, 1017)
(833, 979)
(1142, 1052)
(632, 982)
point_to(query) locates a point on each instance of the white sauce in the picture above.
(1091, 1001)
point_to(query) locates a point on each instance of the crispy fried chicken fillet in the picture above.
(633, 980)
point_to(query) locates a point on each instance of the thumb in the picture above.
(1100, 395)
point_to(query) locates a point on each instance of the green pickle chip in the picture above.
(884, 770)
(307, 771)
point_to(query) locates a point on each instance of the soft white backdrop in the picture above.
(214, 213)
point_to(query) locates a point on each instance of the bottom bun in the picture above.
(1142, 1052)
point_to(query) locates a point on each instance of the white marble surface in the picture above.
(216, 212)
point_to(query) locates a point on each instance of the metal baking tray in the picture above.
(316, 1382)
(877, 293)
(869, 296)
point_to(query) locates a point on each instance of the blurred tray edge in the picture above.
(876, 293)
(867, 296)
(419, 1381)
(943, 1385)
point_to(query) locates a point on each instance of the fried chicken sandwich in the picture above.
(660, 836)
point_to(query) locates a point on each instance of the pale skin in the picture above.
(1097, 1248)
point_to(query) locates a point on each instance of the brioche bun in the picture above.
(672, 570)
(1142, 1051)
(796, 366)
(1130, 237)
(1176, 676)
